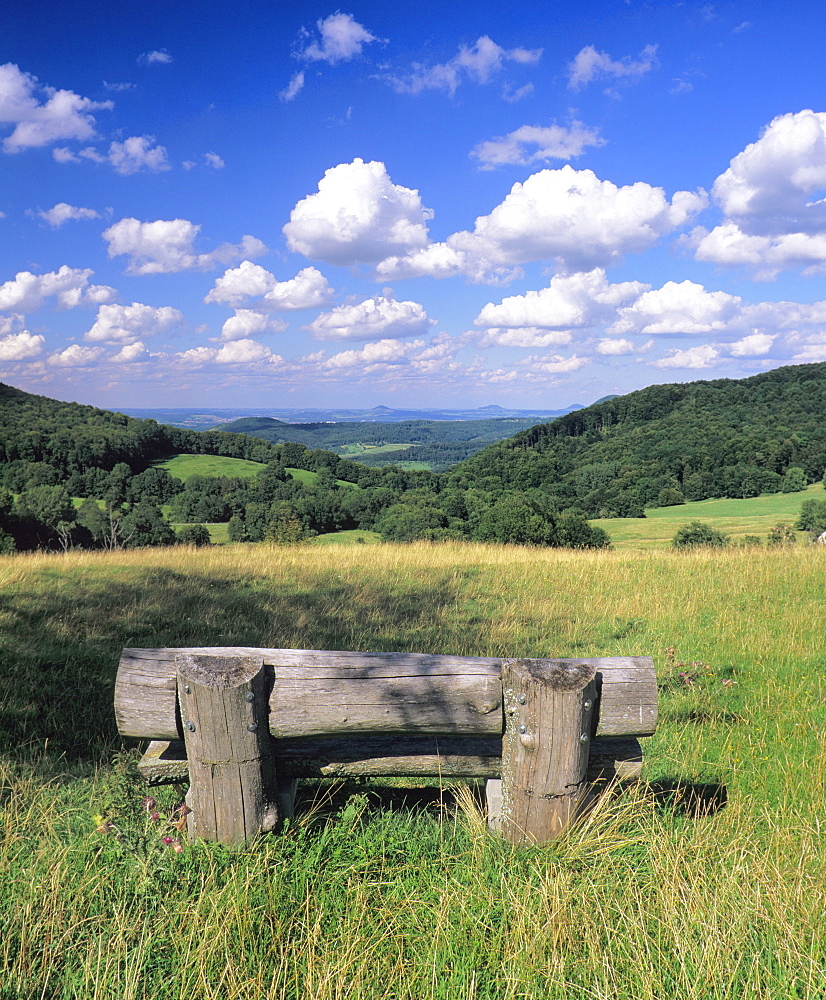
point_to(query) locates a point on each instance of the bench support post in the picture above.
(224, 704)
(548, 724)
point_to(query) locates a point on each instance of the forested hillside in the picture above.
(437, 443)
(669, 443)
(660, 446)
(51, 452)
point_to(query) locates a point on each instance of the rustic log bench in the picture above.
(243, 724)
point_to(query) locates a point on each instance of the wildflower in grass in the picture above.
(102, 825)
(182, 811)
(166, 840)
(149, 803)
(686, 678)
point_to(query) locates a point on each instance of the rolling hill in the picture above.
(669, 443)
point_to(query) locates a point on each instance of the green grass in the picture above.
(415, 466)
(356, 536)
(184, 466)
(218, 531)
(706, 883)
(309, 478)
(736, 518)
(303, 476)
(372, 449)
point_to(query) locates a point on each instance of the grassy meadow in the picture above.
(706, 881)
(184, 466)
(735, 518)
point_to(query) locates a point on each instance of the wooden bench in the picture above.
(243, 724)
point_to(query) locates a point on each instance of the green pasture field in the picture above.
(303, 476)
(707, 881)
(349, 450)
(415, 466)
(736, 518)
(184, 466)
(355, 536)
(218, 530)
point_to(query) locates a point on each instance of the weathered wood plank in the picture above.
(165, 761)
(146, 699)
(234, 790)
(316, 692)
(626, 694)
(435, 703)
(548, 711)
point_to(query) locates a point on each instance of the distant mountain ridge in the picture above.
(208, 417)
(434, 444)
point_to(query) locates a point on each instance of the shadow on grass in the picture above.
(62, 639)
(422, 798)
(692, 799)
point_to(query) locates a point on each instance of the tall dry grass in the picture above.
(706, 881)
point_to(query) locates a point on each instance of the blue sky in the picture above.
(531, 204)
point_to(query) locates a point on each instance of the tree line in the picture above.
(668, 444)
(660, 446)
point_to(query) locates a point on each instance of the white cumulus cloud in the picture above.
(309, 289)
(131, 353)
(357, 215)
(237, 286)
(479, 63)
(133, 155)
(567, 216)
(237, 352)
(294, 87)
(167, 246)
(75, 356)
(62, 213)
(377, 318)
(772, 195)
(70, 287)
(589, 65)
(678, 307)
(772, 179)
(814, 350)
(531, 144)
(138, 152)
(767, 256)
(156, 56)
(615, 346)
(125, 324)
(381, 352)
(554, 364)
(341, 38)
(248, 323)
(753, 345)
(61, 115)
(21, 346)
(572, 300)
(524, 336)
(240, 352)
(703, 356)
